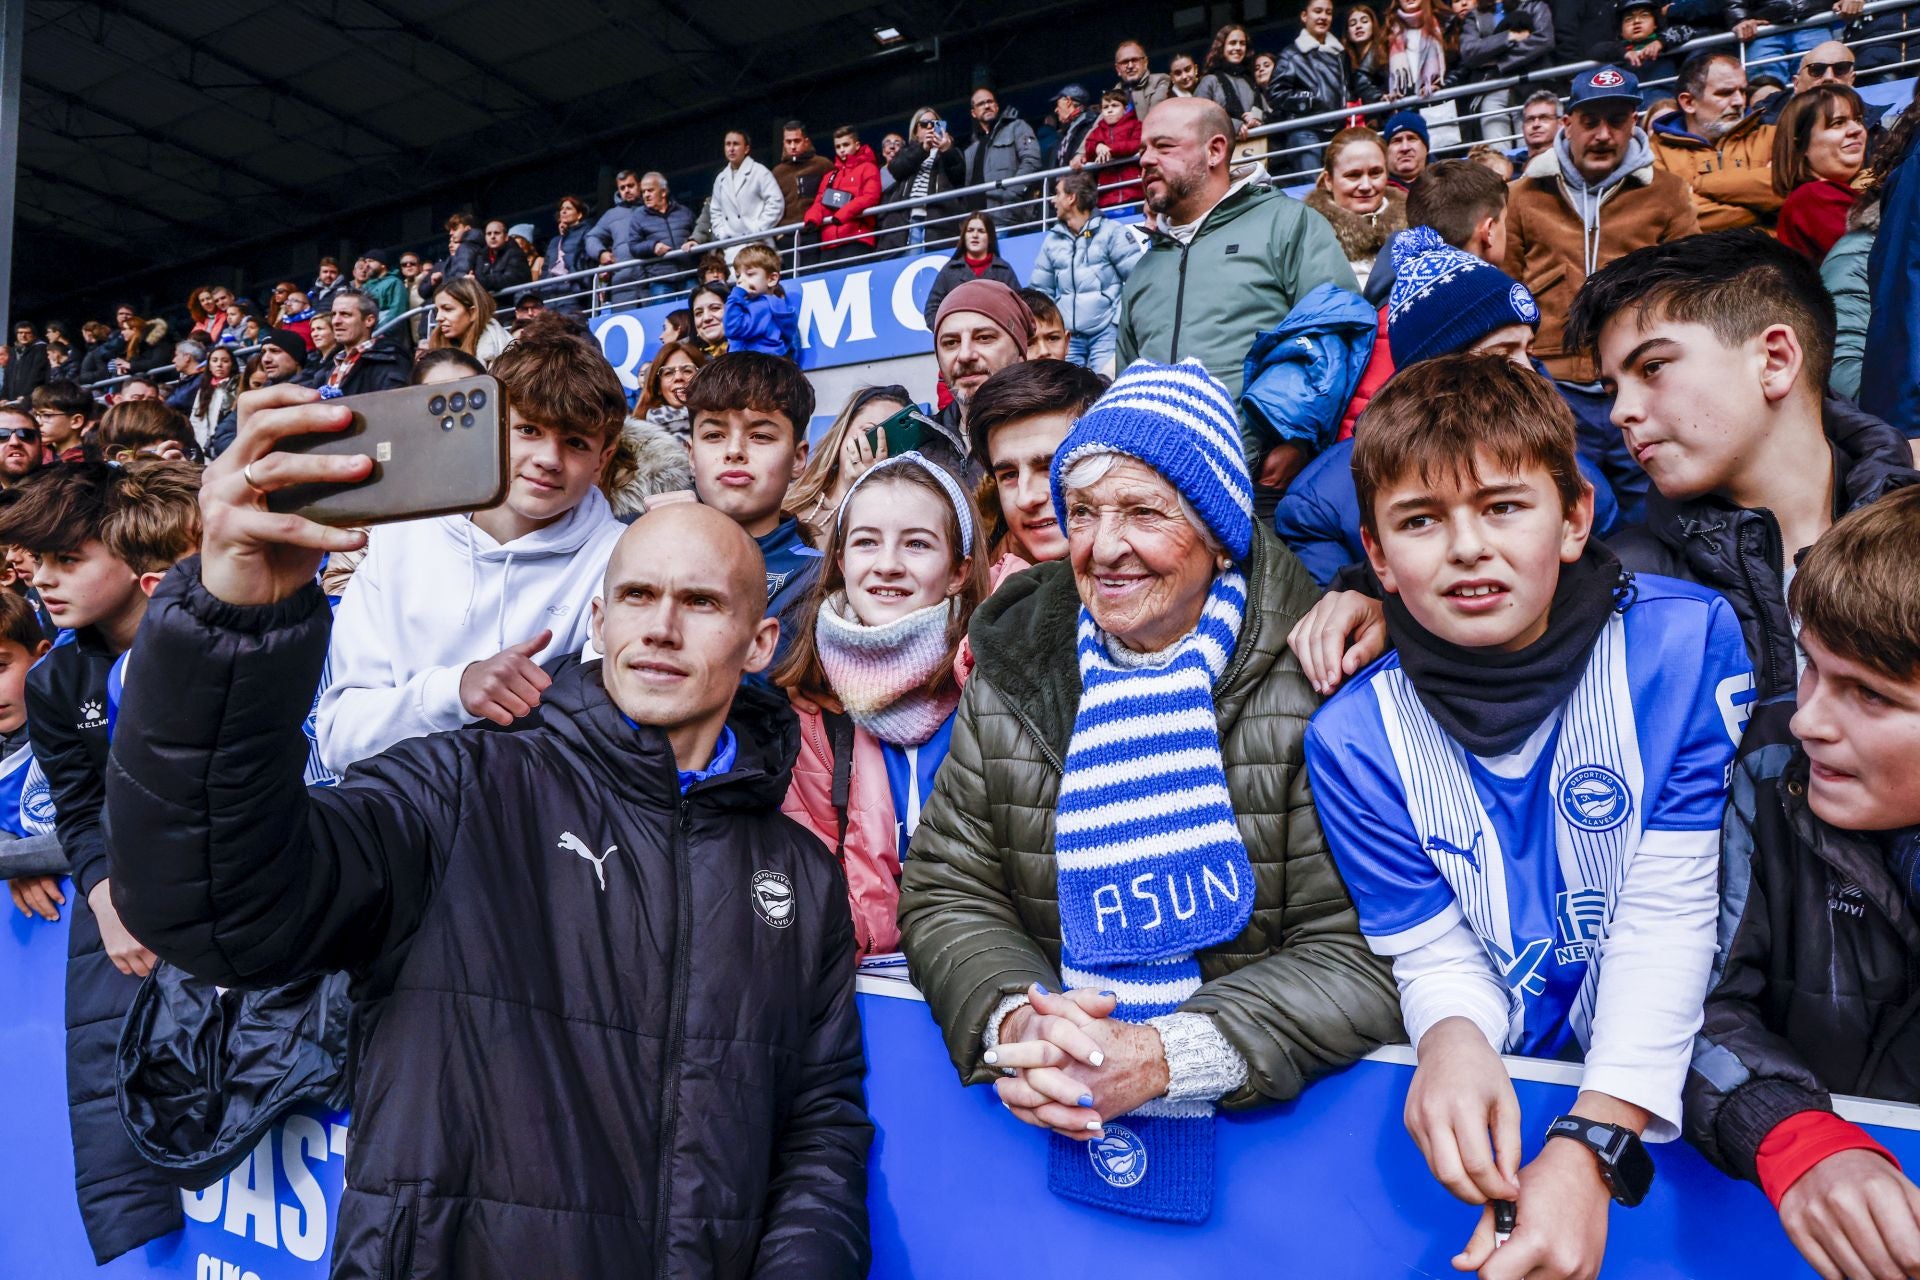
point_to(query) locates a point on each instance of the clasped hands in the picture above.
(1067, 1064)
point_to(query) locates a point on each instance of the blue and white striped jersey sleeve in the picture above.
(1401, 898)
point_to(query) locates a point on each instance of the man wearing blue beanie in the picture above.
(1407, 146)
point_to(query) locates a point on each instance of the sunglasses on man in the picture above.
(1821, 70)
(26, 435)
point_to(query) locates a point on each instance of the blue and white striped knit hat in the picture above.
(1179, 420)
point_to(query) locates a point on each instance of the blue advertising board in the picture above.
(849, 315)
(1327, 1186)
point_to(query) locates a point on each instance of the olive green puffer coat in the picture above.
(1297, 993)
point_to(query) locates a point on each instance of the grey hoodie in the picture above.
(1587, 199)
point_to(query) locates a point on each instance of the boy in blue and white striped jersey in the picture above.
(1524, 797)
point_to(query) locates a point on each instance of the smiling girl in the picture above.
(871, 674)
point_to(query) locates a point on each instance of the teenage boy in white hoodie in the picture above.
(446, 620)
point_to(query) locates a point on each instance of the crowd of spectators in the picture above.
(1482, 587)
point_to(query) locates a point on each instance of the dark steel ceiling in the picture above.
(167, 131)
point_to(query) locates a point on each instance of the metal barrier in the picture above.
(599, 292)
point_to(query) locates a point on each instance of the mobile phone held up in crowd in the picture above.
(436, 450)
(905, 431)
(939, 128)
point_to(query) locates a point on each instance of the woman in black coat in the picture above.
(977, 258)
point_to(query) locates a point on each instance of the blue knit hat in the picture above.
(1402, 121)
(1446, 300)
(1180, 421)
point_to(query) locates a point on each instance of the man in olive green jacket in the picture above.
(1296, 995)
(1227, 259)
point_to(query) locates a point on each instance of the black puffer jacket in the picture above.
(1816, 987)
(123, 1202)
(603, 1028)
(1310, 79)
(1738, 552)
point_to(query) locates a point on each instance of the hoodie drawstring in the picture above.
(473, 572)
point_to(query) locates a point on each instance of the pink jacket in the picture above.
(871, 857)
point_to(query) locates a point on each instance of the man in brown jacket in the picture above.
(1595, 197)
(1714, 146)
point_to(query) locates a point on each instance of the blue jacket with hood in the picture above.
(1301, 374)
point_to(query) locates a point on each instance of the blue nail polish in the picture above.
(1041, 989)
(1114, 994)
(1086, 1100)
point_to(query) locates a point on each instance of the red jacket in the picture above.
(1374, 377)
(1122, 139)
(1814, 216)
(859, 175)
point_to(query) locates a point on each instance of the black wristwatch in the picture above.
(1625, 1166)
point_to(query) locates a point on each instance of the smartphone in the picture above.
(905, 431)
(940, 128)
(436, 450)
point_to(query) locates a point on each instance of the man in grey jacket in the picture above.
(611, 231)
(1003, 146)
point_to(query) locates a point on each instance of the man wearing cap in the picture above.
(1407, 146)
(380, 284)
(501, 264)
(1710, 142)
(283, 356)
(1070, 108)
(1226, 260)
(981, 328)
(1596, 196)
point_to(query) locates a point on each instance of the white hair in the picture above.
(1089, 468)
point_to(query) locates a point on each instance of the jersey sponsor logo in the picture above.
(1471, 854)
(1734, 696)
(1120, 1158)
(92, 715)
(575, 845)
(1595, 798)
(1581, 913)
(1522, 972)
(773, 898)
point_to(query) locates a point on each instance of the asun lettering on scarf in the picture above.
(1151, 869)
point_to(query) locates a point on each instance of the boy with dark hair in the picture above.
(447, 620)
(759, 316)
(61, 410)
(1524, 798)
(1716, 350)
(1816, 973)
(749, 414)
(1018, 419)
(1049, 329)
(105, 535)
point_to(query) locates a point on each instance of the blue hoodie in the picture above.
(766, 323)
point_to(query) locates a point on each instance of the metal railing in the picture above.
(601, 293)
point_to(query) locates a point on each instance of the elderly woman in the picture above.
(1123, 817)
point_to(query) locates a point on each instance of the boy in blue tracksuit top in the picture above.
(759, 315)
(1524, 798)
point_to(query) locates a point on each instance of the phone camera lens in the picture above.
(437, 406)
(466, 419)
(446, 424)
(456, 402)
(476, 399)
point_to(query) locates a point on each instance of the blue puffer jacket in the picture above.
(1083, 273)
(1319, 518)
(1302, 372)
